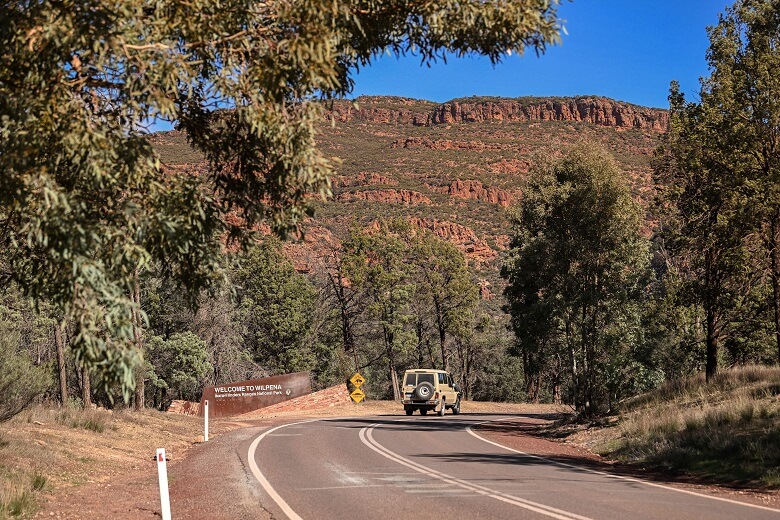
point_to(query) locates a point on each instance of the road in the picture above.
(441, 467)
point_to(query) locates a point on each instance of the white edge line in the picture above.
(283, 505)
(368, 439)
(611, 475)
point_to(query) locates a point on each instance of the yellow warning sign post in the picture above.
(357, 395)
(357, 381)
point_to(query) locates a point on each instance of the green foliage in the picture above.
(574, 270)
(420, 296)
(277, 306)
(444, 283)
(20, 381)
(178, 366)
(718, 168)
(84, 199)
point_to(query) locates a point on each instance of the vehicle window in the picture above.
(411, 379)
(425, 378)
(442, 379)
(451, 381)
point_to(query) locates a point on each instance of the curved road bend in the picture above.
(438, 467)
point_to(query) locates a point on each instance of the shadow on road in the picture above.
(433, 422)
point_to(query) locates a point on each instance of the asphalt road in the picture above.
(439, 467)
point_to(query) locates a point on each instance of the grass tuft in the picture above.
(16, 501)
(726, 431)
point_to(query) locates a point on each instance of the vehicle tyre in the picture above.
(456, 407)
(423, 411)
(443, 407)
(424, 391)
(409, 411)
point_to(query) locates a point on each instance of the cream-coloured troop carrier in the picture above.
(427, 389)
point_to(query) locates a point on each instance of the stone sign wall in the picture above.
(246, 396)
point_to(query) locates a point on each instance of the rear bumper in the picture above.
(410, 402)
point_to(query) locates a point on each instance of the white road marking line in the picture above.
(284, 506)
(616, 477)
(341, 487)
(344, 476)
(367, 438)
(437, 491)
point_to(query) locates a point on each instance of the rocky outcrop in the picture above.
(362, 179)
(593, 110)
(446, 144)
(401, 111)
(485, 293)
(589, 109)
(462, 237)
(510, 166)
(475, 190)
(389, 196)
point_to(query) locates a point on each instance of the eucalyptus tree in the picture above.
(377, 262)
(277, 306)
(719, 178)
(573, 271)
(743, 96)
(84, 202)
(446, 285)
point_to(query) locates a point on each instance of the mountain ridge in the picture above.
(596, 110)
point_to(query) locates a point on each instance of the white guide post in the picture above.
(162, 471)
(206, 421)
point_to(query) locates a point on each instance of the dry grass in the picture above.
(726, 431)
(46, 450)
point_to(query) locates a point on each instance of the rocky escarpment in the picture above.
(362, 179)
(475, 190)
(387, 196)
(589, 109)
(462, 237)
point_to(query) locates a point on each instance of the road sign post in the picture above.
(206, 421)
(357, 381)
(162, 472)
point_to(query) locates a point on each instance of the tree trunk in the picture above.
(573, 364)
(774, 243)
(140, 391)
(445, 361)
(61, 363)
(394, 380)
(710, 306)
(712, 345)
(86, 388)
(346, 324)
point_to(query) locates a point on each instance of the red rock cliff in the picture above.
(593, 110)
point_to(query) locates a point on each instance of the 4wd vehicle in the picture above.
(427, 389)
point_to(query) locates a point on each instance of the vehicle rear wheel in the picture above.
(443, 407)
(423, 412)
(409, 411)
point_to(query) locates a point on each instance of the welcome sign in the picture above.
(246, 396)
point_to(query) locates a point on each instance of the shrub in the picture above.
(20, 381)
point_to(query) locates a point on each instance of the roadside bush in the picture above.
(17, 495)
(20, 381)
(176, 368)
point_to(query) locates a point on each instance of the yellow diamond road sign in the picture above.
(357, 395)
(357, 380)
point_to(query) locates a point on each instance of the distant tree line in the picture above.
(389, 297)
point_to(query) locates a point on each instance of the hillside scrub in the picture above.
(725, 431)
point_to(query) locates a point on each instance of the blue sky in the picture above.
(629, 50)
